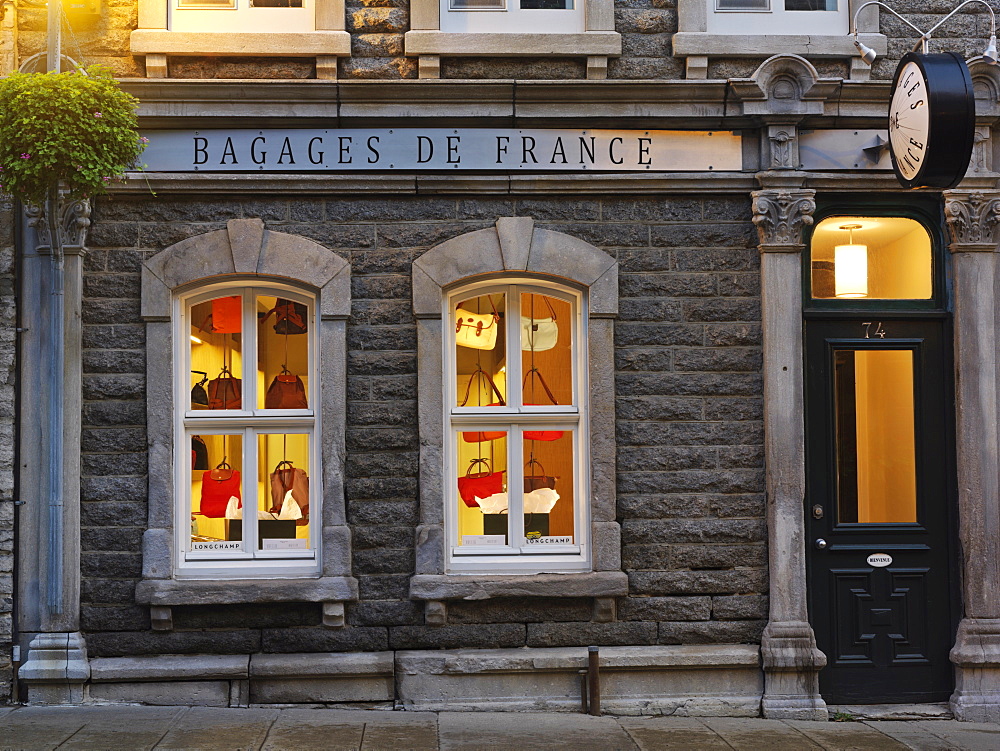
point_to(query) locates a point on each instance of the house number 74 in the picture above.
(879, 331)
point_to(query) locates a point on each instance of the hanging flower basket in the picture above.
(76, 130)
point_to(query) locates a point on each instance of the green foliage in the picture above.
(78, 129)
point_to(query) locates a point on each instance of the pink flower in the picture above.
(98, 114)
(143, 139)
(26, 156)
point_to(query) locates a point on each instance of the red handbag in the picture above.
(291, 317)
(479, 484)
(226, 316)
(477, 436)
(217, 487)
(225, 392)
(286, 392)
(540, 435)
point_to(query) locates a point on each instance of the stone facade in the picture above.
(377, 27)
(688, 395)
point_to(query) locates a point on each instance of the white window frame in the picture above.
(513, 418)
(250, 423)
(241, 17)
(775, 20)
(512, 18)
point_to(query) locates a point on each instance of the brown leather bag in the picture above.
(286, 392)
(225, 392)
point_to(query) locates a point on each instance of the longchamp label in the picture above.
(553, 540)
(407, 149)
(220, 545)
(879, 560)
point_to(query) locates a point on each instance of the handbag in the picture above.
(540, 435)
(225, 392)
(539, 334)
(476, 330)
(290, 317)
(286, 392)
(199, 453)
(226, 316)
(285, 478)
(199, 397)
(217, 487)
(477, 436)
(539, 479)
(479, 484)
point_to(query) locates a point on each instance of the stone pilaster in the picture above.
(974, 222)
(49, 522)
(791, 659)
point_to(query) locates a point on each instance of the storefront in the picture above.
(501, 371)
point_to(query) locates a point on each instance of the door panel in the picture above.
(878, 469)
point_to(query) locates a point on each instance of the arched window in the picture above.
(250, 421)
(516, 454)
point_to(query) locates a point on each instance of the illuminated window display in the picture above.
(251, 432)
(517, 452)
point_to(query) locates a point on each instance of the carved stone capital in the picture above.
(780, 216)
(74, 222)
(973, 220)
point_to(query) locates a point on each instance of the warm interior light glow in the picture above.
(196, 340)
(850, 267)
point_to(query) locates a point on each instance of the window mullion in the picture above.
(513, 347)
(250, 488)
(515, 485)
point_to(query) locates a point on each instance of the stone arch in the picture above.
(515, 244)
(245, 247)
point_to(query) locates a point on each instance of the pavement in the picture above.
(302, 729)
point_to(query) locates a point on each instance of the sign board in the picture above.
(442, 149)
(879, 560)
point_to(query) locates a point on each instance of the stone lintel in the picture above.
(235, 591)
(451, 44)
(445, 587)
(169, 667)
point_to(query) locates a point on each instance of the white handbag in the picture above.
(538, 334)
(476, 330)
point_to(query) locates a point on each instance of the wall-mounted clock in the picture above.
(932, 119)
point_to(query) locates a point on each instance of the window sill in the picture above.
(256, 44)
(691, 43)
(479, 587)
(167, 592)
(512, 45)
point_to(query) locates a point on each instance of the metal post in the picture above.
(594, 680)
(54, 41)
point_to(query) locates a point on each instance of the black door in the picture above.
(878, 506)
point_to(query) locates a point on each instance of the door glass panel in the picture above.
(874, 418)
(548, 487)
(871, 258)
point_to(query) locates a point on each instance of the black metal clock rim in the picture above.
(951, 111)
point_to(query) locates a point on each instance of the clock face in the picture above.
(932, 118)
(909, 121)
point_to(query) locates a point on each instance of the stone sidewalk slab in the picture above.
(332, 729)
(521, 731)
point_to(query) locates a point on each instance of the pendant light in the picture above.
(850, 266)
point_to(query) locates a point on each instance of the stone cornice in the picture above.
(644, 104)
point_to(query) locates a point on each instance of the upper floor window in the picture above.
(772, 17)
(517, 443)
(242, 15)
(512, 16)
(247, 450)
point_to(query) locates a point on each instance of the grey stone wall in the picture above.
(377, 28)
(689, 426)
(8, 377)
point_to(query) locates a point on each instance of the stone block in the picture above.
(168, 668)
(163, 693)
